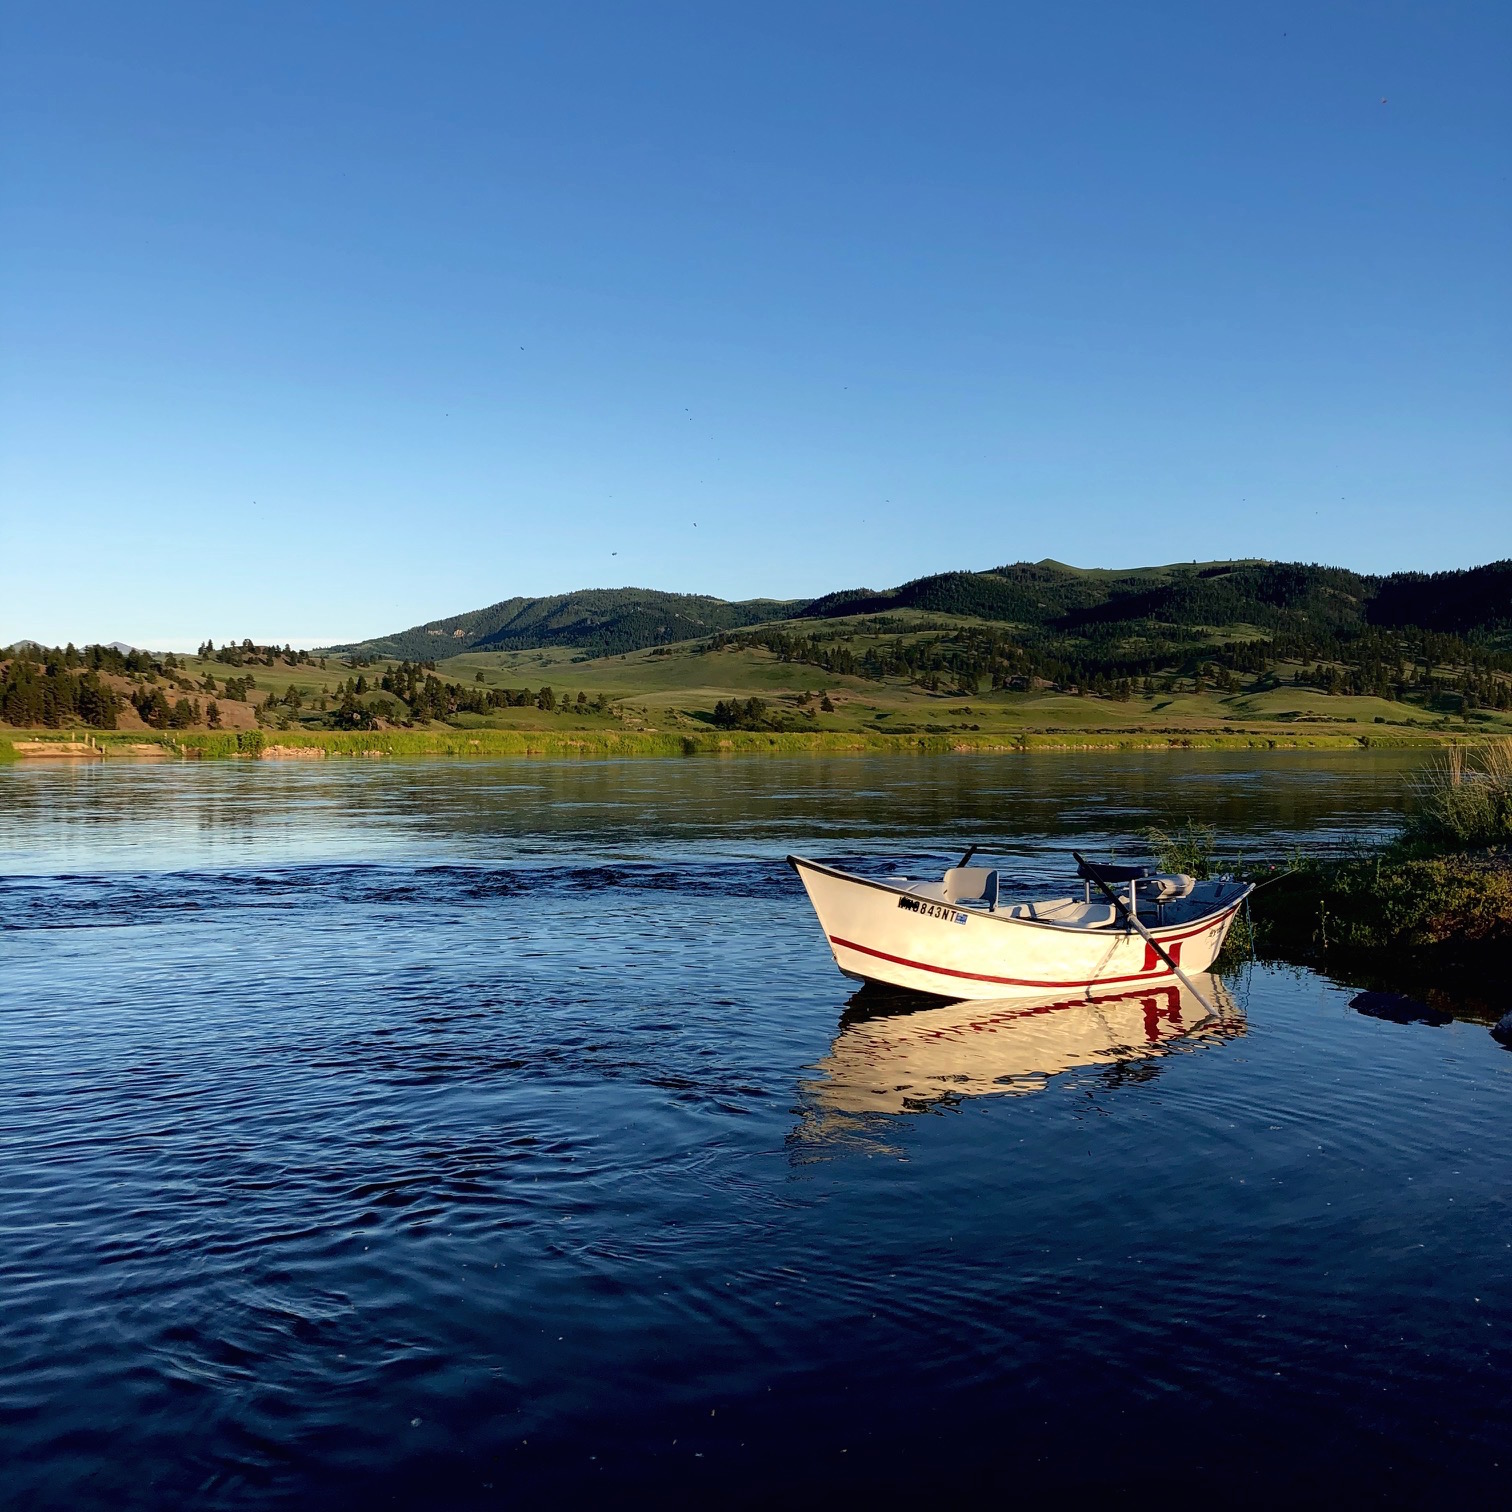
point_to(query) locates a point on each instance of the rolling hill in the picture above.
(1047, 597)
(604, 621)
(1040, 646)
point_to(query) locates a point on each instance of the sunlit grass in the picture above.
(1463, 800)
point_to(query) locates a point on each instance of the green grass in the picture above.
(686, 682)
(672, 693)
(677, 687)
(443, 740)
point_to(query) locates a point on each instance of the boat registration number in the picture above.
(931, 910)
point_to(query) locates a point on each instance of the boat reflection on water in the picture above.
(896, 1054)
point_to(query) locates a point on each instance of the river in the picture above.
(384, 1133)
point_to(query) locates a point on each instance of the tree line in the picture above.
(45, 687)
(412, 693)
(244, 653)
(1107, 661)
(46, 693)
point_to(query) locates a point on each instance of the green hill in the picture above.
(1029, 593)
(1320, 608)
(1049, 594)
(603, 621)
(1442, 641)
(1248, 649)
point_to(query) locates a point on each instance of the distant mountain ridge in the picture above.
(1048, 596)
(1251, 591)
(606, 621)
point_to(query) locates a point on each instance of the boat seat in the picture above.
(1096, 916)
(1066, 911)
(1168, 887)
(972, 884)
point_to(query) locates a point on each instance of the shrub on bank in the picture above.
(1391, 902)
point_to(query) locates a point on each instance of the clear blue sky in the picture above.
(319, 320)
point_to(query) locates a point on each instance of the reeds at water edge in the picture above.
(1463, 799)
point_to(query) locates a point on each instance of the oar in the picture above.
(1150, 939)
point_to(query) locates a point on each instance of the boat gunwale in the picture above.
(1163, 933)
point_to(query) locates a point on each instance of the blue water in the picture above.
(432, 1134)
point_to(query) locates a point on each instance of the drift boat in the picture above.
(958, 938)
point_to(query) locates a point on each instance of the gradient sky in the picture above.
(320, 320)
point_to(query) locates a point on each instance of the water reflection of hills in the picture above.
(890, 1057)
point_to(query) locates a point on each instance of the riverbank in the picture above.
(1432, 908)
(1453, 911)
(54, 745)
(1425, 938)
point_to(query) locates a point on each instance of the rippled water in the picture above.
(463, 1134)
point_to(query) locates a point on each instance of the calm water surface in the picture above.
(467, 1133)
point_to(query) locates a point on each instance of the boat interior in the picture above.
(1161, 898)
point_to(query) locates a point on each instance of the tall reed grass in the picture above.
(1189, 851)
(1463, 800)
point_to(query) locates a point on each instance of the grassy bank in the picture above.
(620, 742)
(1433, 905)
(1457, 908)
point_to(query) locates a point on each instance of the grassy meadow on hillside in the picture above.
(638, 702)
(1280, 653)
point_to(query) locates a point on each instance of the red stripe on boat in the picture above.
(978, 976)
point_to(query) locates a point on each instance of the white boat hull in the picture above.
(880, 932)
